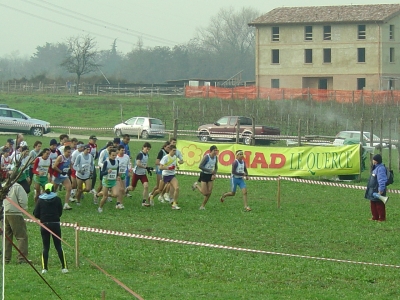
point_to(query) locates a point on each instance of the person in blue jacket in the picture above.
(377, 185)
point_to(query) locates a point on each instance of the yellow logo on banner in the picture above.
(274, 161)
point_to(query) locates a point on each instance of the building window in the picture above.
(361, 32)
(308, 33)
(360, 83)
(308, 56)
(275, 34)
(391, 32)
(360, 55)
(327, 55)
(275, 56)
(391, 55)
(327, 33)
(275, 83)
(391, 84)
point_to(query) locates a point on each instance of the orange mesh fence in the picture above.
(252, 92)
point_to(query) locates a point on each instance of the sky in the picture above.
(27, 24)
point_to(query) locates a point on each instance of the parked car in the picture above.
(225, 129)
(15, 120)
(341, 136)
(141, 126)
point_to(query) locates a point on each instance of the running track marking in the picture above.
(153, 238)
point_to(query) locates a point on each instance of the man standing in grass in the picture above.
(376, 188)
(239, 171)
(209, 168)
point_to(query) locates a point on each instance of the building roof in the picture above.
(329, 14)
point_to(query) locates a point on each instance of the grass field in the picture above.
(314, 220)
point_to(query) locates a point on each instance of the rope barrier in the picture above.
(216, 246)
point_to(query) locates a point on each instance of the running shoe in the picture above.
(175, 206)
(67, 207)
(145, 204)
(166, 197)
(44, 271)
(194, 185)
(119, 206)
(100, 210)
(64, 271)
(151, 201)
(109, 199)
(247, 208)
(222, 198)
(95, 198)
(202, 208)
(161, 199)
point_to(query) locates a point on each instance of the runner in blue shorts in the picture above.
(239, 171)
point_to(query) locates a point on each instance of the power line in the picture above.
(102, 22)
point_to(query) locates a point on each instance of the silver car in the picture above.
(17, 121)
(143, 127)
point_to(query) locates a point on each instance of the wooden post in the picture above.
(361, 149)
(299, 132)
(380, 137)
(175, 128)
(77, 245)
(237, 130)
(278, 198)
(390, 145)
(103, 295)
(253, 136)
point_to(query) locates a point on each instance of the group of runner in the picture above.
(71, 163)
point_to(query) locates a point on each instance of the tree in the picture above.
(82, 56)
(46, 61)
(232, 40)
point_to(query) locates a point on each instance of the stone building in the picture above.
(348, 47)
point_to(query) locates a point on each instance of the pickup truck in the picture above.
(225, 129)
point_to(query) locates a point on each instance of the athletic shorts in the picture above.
(73, 173)
(168, 178)
(59, 180)
(31, 173)
(158, 170)
(205, 177)
(108, 183)
(89, 178)
(41, 180)
(136, 178)
(123, 176)
(235, 182)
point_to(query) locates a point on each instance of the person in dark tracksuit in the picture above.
(377, 185)
(49, 210)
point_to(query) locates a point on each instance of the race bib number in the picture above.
(112, 175)
(65, 170)
(44, 170)
(122, 169)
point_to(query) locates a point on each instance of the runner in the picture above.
(54, 153)
(209, 168)
(102, 157)
(41, 168)
(5, 163)
(125, 142)
(110, 179)
(23, 159)
(79, 150)
(168, 191)
(168, 165)
(164, 151)
(84, 167)
(61, 168)
(239, 171)
(125, 165)
(95, 155)
(139, 172)
(37, 146)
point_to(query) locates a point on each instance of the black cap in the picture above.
(117, 140)
(53, 142)
(6, 150)
(213, 147)
(109, 144)
(92, 137)
(10, 141)
(377, 158)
